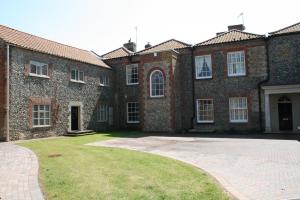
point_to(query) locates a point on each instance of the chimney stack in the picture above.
(239, 27)
(148, 45)
(131, 46)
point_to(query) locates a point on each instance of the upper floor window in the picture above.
(104, 80)
(132, 76)
(203, 67)
(238, 109)
(41, 115)
(77, 75)
(102, 113)
(236, 63)
(38, 69)
(205, 111)
(157, 84)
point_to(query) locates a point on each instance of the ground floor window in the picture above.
(102, 113)
(41, 115)
(238, 109)
(133, 112)
(205, 111)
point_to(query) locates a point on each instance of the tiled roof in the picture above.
(117, 53)
(230, 36)
(28, 41)
(290, 29)
(165, 46)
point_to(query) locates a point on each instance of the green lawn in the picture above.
(71, 170)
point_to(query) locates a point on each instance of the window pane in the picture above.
(157, 84)
(81, 76)
(205, 112)
(45, 70)
(238, 109)
(32, 69)
(73, 75)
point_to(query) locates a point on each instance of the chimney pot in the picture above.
(239, 27)
(148, 45)
(131, 46)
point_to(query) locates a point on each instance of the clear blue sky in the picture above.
(105, 25)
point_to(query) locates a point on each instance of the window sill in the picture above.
(75, 81)
(237, 75)
(39, 76)
(133, 122)
(236, 122)
(102, 85)
(205, 122)
(157, 97)
(203, 78)
(129, 84)
(42, 126)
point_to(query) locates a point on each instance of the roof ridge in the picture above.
(44, 38)
(274, 32)
(124, 48)
(172, 39)
(225, 33)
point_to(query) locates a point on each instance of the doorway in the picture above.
(285, 114)
(75, 118)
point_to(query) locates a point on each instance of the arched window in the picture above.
(157, 84)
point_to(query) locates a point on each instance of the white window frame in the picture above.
(163, 84)
(234, 106)
(38, 69)
(129, 74)
(77, 76)
(230, 64)
(104, 80)
(102, 113)
(39, 112)
(198, 111)
(198, 66)
(137, 112)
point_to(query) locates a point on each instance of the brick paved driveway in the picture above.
(18, 173)
(248, 168)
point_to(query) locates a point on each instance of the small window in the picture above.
(236, 63)
(41, 115)
(38, 69)
(133, 112)
(238, 109)
(102, 113)
(203, 67)
(132, 77)
(157, 84)
(104, 80)
(205, 111)
(77, 76)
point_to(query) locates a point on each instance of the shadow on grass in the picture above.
(236, 135)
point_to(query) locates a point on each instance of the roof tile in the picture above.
(35, 43)
(230, 36)
(117, 53)
(165, 46)
(290, 29)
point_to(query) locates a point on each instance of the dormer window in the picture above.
(203, 67)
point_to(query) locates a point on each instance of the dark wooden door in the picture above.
(74, 118)
(285, 116)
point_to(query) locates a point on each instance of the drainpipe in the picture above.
(7, 93)
(261, 82)
(193, 86)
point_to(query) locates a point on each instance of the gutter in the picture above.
(7, 93)
(260, 84)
